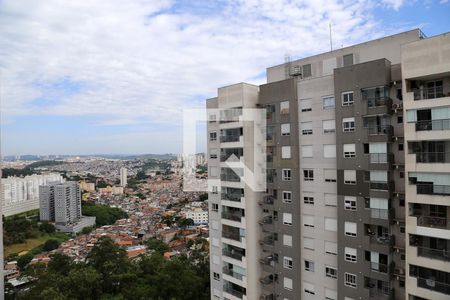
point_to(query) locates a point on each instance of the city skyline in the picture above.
(118, 80)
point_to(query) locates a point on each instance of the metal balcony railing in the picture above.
(433, 285)
(379, 101)
(378, 267)
(232, 254)
(268, 260)
(440, 254)
(426, 125)
(382, 185)
(269, 199)
(380, 130)
(431, 221)
(269, 240)
(266, 220)
(433, 157)
(382, 240)
(432, 189)
(430, 93)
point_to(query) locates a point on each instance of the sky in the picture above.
(114, 76)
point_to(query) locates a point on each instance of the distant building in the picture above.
(123, 176)
(87, 186)
(19, 195)
(61, 203)
(199, 215)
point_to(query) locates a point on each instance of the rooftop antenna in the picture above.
(331, 40)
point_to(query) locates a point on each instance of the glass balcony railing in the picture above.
(232, 273)
(432, 221)
(433, 285)
(230, 138)
(268, 240)
(230, 290)
(379, 101)
(381, 185)
(230, 177)
(382, 239)
(236, 197)
(427, 125)
(380, 158)
(432, 189)
(440, 254)
(269, 199)
(380, 213)
(378, 267)
(433, 157)
(266, 220)
(233, 254)
(232, 216)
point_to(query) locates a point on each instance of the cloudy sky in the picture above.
(113, 76)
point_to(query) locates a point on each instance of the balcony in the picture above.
(383, 214)
(236, 197)
(433, 285)
(382, 293)
(235, 254)
(269, 279)
(232, 233)
(382, 185)
(381, 133)
(433, 157)
(233, 274)
(427, 125)
(440, 254)
(232, 216)
(379, 101)
(268, 240)
(268, 297)
(268, 199)
(380, 158)
(387, 239)
(231, 157)
(433, 222)
(266, 220)
(230, 177)
(269, 260)
(381, 268)
(432, 189)
(429, 93)
(230, 138)
(236, 293)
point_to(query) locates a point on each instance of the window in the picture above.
(213, 136)
(309, 288)
(330, 199)
(285, 129)
(329, 126)
(308, 221)
(305, 105)
(286, 174)
(350, 280)
(307, 151)
(307, 128)
(287, 219)
(350, 254)
(348, 124)
(329, 151)
(212, 118)
(213, 153)
(308, 175)
(215, 189)
(309, 266)
(287, 240)
(330, 224)
(284, 107)
(287, 283)
(308, 243)
(350, 228)
(308, 198)
(347, 98)
(306, 71)
(349, 176)
(329, 175)
(350, 203)
(287, 262)
(349, 150)
(287, 196)
(400, 147)
(216, 276)
(348, 59)
(215, 207)
(330, 272)
(330, 248)
(400, 119)
(328, 102)
(286, 152)
(213, 156)
(330, 294)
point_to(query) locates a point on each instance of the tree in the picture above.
(87, 230)
(203, 197)
(60, 264)
(24, 260)
(50, 245)
(47, 227)
(157, 245)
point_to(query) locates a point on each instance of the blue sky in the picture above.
(85, 77)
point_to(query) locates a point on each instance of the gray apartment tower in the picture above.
(61, 203)
(357, 174)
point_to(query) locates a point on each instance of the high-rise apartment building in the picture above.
(22, 194)
(331, 224)
(61, 203)
(123, 176)
(426, 77)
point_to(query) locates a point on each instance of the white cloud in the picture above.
(395, 4)
(443, 1)
(141, 61)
